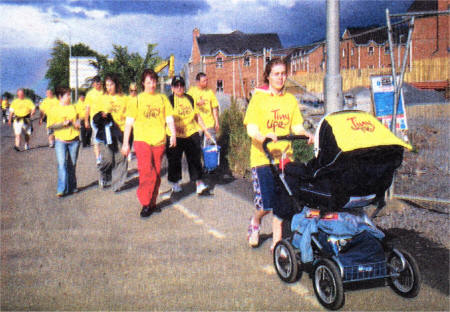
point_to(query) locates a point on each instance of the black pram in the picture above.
(356, 157)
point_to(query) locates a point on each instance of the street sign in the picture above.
(383, 102)
(83, 68)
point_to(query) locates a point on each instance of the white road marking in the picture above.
(197, 220)
(297, 288)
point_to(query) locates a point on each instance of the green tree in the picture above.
(31, 95)
(8, 95)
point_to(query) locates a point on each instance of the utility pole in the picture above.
(333, 78)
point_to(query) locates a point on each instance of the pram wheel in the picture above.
(285, 261)
(407, 282)
(328, 285)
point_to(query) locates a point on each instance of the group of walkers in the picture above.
(150, 123)
(154, 124)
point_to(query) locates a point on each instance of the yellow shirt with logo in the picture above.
(149, 112)
(61, 113)
(206, 109)
(4, 104)
(94, 101)
(22, 108)
(272, 114)
(117, 106)
(184, 117)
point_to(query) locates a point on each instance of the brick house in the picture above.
(234, 63)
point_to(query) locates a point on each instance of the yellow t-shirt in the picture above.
(94, 101)
(59, 114)
(117, 106)
(81, 108)
(47, 104)
(206, 109)
(272, 113)
(4, 104)
(184, 117)
(22, 108)
(149, 112)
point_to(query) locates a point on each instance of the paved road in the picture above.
(92, 251)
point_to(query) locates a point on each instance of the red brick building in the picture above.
(234, 63)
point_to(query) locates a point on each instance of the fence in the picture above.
(435, 69)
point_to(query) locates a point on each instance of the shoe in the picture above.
(176, 187)
(59, 194)
(51, 145)
(201, 187)
(101, 183)
(146, 211)
(26, 147)
(253, 235)
(16, 149)
(98, 160)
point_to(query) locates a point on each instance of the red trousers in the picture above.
(149, 167)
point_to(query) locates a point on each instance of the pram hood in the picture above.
(352, 130)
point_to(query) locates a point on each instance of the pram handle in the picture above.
(289, 137)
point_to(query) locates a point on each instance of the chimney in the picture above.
(195, 33)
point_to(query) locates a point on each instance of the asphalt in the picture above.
(92, 251)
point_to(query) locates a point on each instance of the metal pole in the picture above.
(405, 56)
(394, 80)
(333, 79)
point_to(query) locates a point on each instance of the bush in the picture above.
(234, 140)
(302, 151)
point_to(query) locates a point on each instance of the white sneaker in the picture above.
(253, 235)
(26, 147)
(176, 187)
(201, 187)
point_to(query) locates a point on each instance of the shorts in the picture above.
(20, 125)
(264, 188)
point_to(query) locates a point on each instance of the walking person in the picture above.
(21, 110)
(133, 91)
(5, 106)
(85, 130)
(46, 106)
(187, 121)
(93, 103)
(64, 120)
(270, 114)
(208, 107)
(110, 123)
(148, 117)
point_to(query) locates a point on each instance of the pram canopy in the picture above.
(356, 156)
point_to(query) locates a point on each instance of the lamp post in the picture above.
(56, 21)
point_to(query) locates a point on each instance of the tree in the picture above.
(8, 95)
(31, 95)
(58, 65)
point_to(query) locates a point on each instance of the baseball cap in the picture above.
(178, 80)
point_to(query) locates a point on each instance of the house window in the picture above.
(219, 87)
(353, 67)
(352, 51)
(343, 53)
(386, 50)
(252, 84)
(219, 62)
(371, 67)
(267, 59)
(371, 50)
(247, 61)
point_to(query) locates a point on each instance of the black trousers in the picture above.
(85, 134)
(191, 147)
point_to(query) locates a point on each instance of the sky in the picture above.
(28, 29)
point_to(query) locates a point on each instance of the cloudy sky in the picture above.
(28, 30)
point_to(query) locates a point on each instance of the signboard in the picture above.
(81, 67)
(383, 102)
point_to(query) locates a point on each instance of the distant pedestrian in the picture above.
(21, 110)
(110, 123)
(93, 103)
(272, 112)
(187, 121)
(46, 106)
(148, 117)
(85, 130)
(5, 106)
(64, 120)
(133, 91)
(208, 107)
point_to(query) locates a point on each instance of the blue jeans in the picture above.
(66, 155)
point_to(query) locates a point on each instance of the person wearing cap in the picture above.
(93, 106)
(187, 121)
(148, 117)
(208, 107)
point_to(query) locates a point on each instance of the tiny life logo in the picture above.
(364, 126)
(278, 120)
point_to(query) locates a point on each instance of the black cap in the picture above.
(178, 80)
